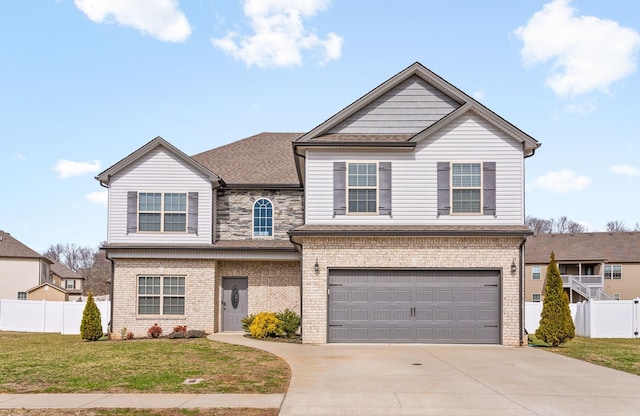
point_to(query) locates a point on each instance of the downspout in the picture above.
(521, 271)
(113, 267)
(300, 249)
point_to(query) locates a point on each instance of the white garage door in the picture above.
(421, 306)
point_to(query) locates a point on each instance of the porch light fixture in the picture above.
(316, 266)
(513, 266)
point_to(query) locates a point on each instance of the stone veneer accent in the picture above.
(273, 286)
(401, 252)
(235, 212)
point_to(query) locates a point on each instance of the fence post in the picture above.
(635, 317)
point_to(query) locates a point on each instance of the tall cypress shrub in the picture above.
(91, 326)
(556, 326)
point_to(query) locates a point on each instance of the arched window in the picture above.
(262, 218)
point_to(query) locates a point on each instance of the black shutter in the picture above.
(444, 206)
(192, 215)
(489, 188)
(132, 212)
(339, 188)
(384, 181)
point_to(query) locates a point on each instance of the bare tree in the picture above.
(617, 226)
(539, 225)
(71, 255)
(561, 225)
(98, 276)
(637, 227)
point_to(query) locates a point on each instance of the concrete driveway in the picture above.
(339, 379)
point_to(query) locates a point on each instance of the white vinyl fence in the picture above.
(595, 318)
(47, 316)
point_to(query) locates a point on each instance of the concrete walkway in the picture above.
(138, 401)
(339, 379)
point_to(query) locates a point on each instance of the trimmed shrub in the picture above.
(289, 322)
(556, 326)
(265, 324)
(91, 326)
(247, 321)
(155, 331)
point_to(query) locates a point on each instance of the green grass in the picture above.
(54, 363)
(618, 353)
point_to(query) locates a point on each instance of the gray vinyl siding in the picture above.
(414, 177)
(158, 171)
(409, 108)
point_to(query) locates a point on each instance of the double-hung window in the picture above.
(535, 272)
(161, 295)
(362, 187)
(69, 284)
(466, 188)
(162, 212)
(612, 272)
(535, 297)
(22, 295)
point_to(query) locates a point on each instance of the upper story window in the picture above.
(535, 272)
(466, 188)
(362, 187)
(69, 284)
(22, 295)
(466, 180)
(171, 212)
(612, 272)
(162, 212)
(263, 218)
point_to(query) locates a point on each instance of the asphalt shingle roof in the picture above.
(10, 247)
(621, 247)
(265, 159)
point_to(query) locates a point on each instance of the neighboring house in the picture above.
(399, 219)
(21, 268)
(593, 265)
(72, 282)
(47, 291)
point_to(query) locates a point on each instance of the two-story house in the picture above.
(399, 219)
(21, 268)
(593, 266)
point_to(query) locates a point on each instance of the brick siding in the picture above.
(401, 252)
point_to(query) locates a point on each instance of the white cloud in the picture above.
(67, 168)
(478, 95)
(19, 156)
(584, 108)
(625, 170)
(98, 197)
(561, 182)
(161, 19)
(280, 36)
(588, 53)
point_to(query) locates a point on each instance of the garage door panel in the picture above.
(449, 306)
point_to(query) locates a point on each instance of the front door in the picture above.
(234, 302)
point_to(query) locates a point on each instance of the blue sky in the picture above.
(85, 83)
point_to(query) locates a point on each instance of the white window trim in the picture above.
(163, 212)
(609, 276)
(273, 220)
(161, 296)
(70, 281)
(347, 187)
(451, 187)
(533, 273)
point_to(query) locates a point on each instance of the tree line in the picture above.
(564, 225)
(90, 263)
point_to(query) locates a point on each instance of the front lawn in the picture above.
(618, 353)
(54, 363)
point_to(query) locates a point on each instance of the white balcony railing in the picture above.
(587, 280)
